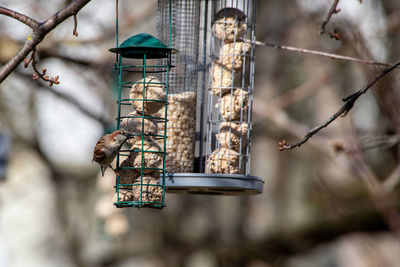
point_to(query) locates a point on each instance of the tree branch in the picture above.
(40, 30)
(332, 10)
(74, 31)
(42, 75)
(63, 14)
(20, 17)
(324, 54)
(12, 64)
(348, 105)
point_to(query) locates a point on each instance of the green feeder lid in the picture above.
(143, 43)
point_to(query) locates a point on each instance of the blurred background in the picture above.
(332, 202)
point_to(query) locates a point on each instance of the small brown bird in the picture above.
(107, 148)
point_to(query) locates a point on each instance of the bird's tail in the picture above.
(103, 170)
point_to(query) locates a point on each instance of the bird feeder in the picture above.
(143, 63)
(211, 92)
(189, 126)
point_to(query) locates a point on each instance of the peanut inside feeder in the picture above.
(148, 189)
(123, 195)
(180, 131)
(229, 25)
(154, 90)
(222, 79)
(223, 160)
(232, 135)
(231, 55)
(135, 123)
(126, 173)
(233, 106)
(152, 156)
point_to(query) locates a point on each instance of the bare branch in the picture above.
(42, 75)
(63, 14)
(348, 105)
(20, 17)
(380, 142)
(17, 59)
(38, 34)
(332, 10)
(319, 53)
(74, 31)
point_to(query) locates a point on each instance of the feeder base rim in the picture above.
(213, 184)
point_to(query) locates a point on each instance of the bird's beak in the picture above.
(127, 134)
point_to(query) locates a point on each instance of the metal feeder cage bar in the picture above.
(216, 40)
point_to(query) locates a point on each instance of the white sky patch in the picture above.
(73, 82)
(64, 134)
(368, 17)
(15, 94)
(67, 135)
(366, 113)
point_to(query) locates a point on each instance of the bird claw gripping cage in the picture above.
(204, 145)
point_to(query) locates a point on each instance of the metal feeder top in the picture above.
(143, 43)
(230, 12)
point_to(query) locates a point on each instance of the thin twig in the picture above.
(42, 75)
(319, 53)
(74, 31)
(348, 105)
(332, 10)
(380, 142)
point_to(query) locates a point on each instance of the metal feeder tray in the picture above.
(213, 184)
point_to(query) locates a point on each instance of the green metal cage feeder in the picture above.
(141, 169)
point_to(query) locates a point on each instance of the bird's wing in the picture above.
(98, 153)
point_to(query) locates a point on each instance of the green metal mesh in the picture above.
(139, 185)
(140, 192)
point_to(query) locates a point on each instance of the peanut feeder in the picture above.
(210, 97)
